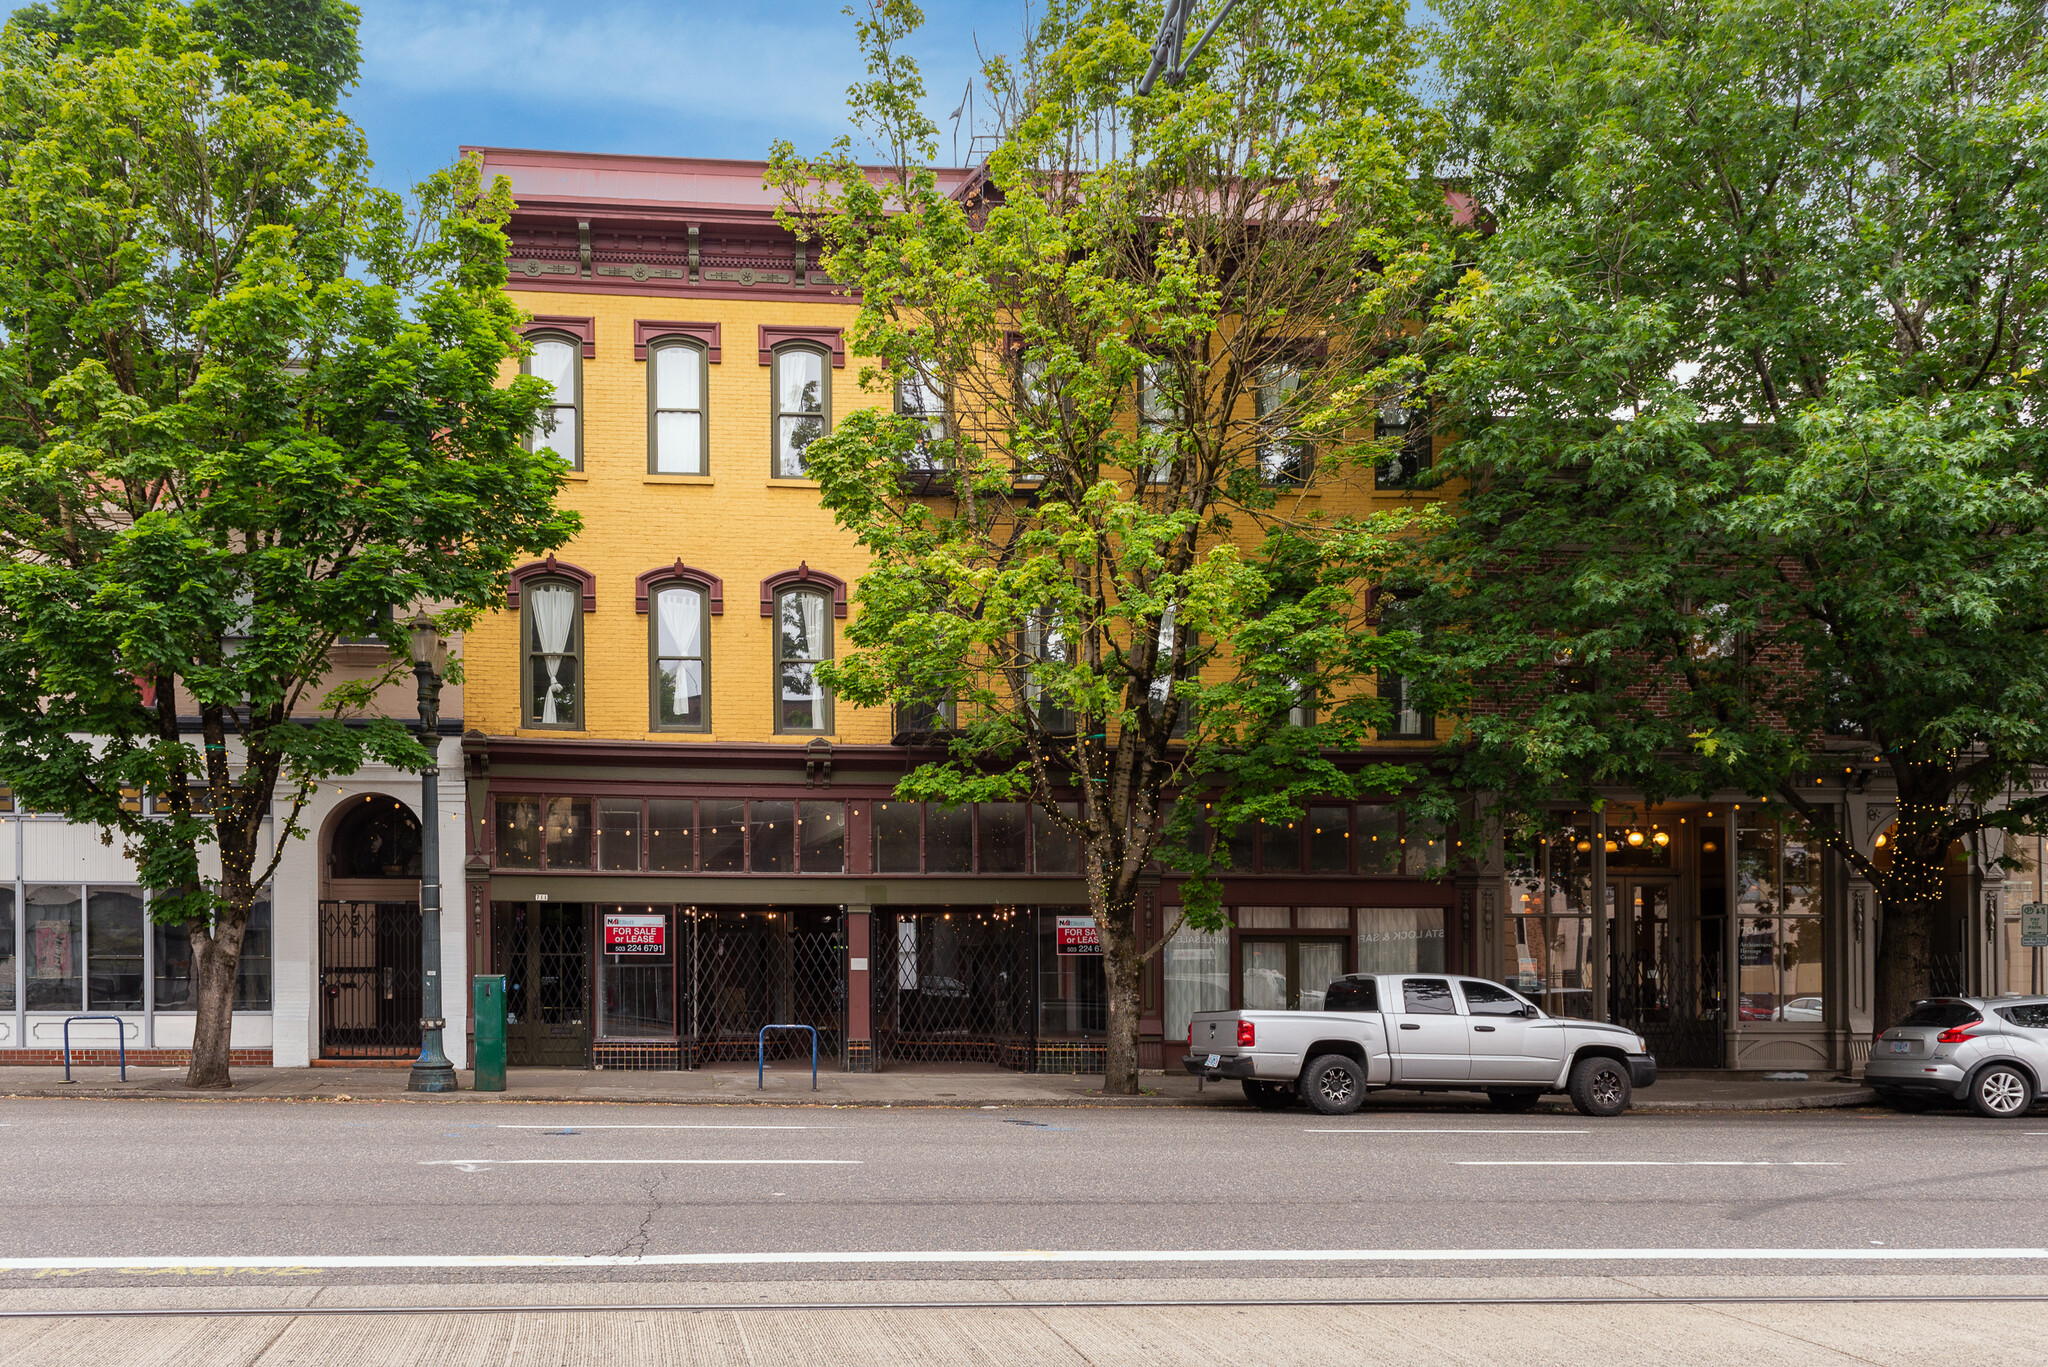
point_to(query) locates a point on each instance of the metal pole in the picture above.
(431, 1072)
(1602, 933)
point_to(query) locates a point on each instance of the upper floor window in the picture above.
(1045, 642)
(803, 639)
(675, 396)
(1283, 456)
(1401, 467)
(1409, 722)
(558, 359)
(1037, 402)
(678, 634)
(553, 632)
(1157, 414)
(1160, 691)
(803, 406)
(919, 400)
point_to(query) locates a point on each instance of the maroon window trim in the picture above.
(645, 333)
(583, 330)
(713, 586)
(556, 569)
(832, 339)
(803, 576)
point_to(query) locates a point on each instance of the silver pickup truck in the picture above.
(1430, 1033)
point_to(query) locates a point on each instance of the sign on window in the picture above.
(625, 934)
(1077, 935)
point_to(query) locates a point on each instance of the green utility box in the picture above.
(489, 1000)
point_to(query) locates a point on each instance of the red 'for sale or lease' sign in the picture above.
(626, 934)
(1077, 935)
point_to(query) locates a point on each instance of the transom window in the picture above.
(803, 639)
(554, 646)
(676, 384)
(803, 399)
(559, 361)
(678, 627)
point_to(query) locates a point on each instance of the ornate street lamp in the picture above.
(431, 1072)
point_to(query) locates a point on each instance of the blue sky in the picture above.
(671, 77)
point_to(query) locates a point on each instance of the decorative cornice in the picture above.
(803, 574)
(583, 330)
(712, 585)
(646, 333)
(833, 339)
(556, 569)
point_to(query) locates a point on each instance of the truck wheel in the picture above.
(1600, 1087)
(1269, 1096)
(2001, 1092)
(1515, 1102)
(1333, 1084)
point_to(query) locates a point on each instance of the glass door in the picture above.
(1288, 974)
(637, 979)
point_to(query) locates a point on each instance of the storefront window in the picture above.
(1073, 1000)
(1004, 835)
(899, 836)
(721, 835)
(173, 971)
(948, 838)
(53, 924)
(638, 995)
(671, 835)
(1549, 926)
(252, 977)
(518, 832)
(7, 951)
(2023, 962)
(568, 833)
(771, 828)
(822, 826)
(1195, 969)
(114, 935)
(1054, 849)
(1778, 902)
(1400, 939)
(618, 833)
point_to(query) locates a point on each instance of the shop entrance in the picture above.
(743, 968)
(1288, 975)
(543, 950)
(369, 980)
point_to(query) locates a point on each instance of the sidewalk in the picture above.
(787, 1085)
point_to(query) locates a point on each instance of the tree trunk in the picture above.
(1123, 968)
(1905, 959)
(216, 960)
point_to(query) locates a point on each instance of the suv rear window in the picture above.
(1352, 994)
(1943, 1014)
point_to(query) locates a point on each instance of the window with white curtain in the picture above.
(1400, 939)
(559, 361)
(803, 639)
(803, 398)
(678, 625)
(676, 403)
(1196, 975)
(554, 645)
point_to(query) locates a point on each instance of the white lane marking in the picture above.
(574, 1126)
(1382, 1130)
(1037, 1255)
(1634, 1163)
(613, 1162)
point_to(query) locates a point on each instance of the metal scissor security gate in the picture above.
(743, 969)
(369, 979)
(1676, 1005)
(953, 987)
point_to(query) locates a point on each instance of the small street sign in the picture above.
(2034, 925)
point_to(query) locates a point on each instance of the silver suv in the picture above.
(1989, 1051)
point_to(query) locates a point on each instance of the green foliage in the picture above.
(1104, 639)
(1747, 388)
(310, 44)
(221, 450)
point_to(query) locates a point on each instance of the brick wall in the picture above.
(137, 1058)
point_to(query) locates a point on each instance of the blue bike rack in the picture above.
(761, 1054)
(120, 1038)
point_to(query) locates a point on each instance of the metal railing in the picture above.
(120, 1039)
(761, 1054)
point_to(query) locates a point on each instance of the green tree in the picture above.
(314, 39)
(221, 449)
(1130, 359)
(1747, 390)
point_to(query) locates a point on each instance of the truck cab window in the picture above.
(1352, 994)
(1484, 999)
(1427, 997)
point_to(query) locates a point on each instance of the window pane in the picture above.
(639, 996)
(1329, 839)
(1426, 848)
(1054, 849)
(1240, 846)
(681, 687)
(518, 832)
(802, 380)
(7, 952)
(52, 921)
(679, 443)
(568, 833)
(722, 839)
(1427, 997)
(1003, 836)
(252, 976)
(803, 698)
(1400, 939)
(671, 839)
(794, 437)
(948, 839)
(1484, 999)
(174, 964)
(1378, 840)
(1280, 845)
(555, 362)
(551, 611)
(772, 833)
(1265, 975)
(677, 370)
(557, 433)
(898, 837)
(1196, 975)
(823, 828)
(114, 932)
(618, 833)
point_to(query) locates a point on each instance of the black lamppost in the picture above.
(431, 1072)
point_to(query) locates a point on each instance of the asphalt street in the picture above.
(240, 1206)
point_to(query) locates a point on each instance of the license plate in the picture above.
(1902, 1046)
(1212, 1060)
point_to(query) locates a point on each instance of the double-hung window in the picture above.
(675, 396)
(803, 639)
(1409, 459)
(678, 635)
(1409, 721)
(553, 633)
(920, 402)
(1283, 456)
(558, 360)
(803, 406)
(1158, 415)
(1045, 648)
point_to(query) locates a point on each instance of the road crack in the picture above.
(635, 1244)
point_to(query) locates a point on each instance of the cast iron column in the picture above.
(431, 1072)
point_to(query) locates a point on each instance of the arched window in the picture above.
(802, 398)
(558, 359)
(552, 629)
(677, 376)
(803, 638)
(678, 637)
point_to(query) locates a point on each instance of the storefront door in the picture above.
(1288, 974)
(543, 949)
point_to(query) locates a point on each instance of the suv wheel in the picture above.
(2001, 1091)
(1269, 1096)
(1600, 1086)
(1333, 1084)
